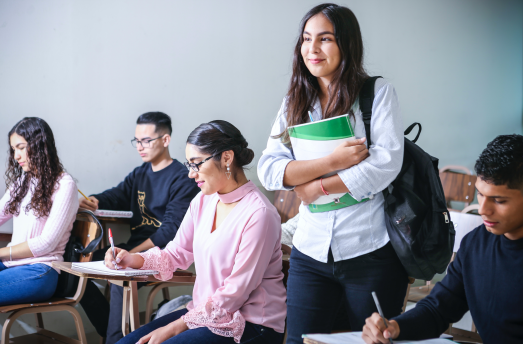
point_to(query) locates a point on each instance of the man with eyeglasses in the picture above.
(158, 193)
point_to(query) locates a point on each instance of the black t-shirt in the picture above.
(486, 278)
(158, 200)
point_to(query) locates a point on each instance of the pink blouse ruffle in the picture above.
(218, 320)
(156, 259)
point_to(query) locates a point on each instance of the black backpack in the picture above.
(68, 283)
(416, 214)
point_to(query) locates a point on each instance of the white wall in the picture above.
(91, 67)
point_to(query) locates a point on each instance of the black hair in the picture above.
(161, 120)
(45, 168)
(218, 136)
(501, 163)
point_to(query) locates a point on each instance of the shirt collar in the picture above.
(238, 194)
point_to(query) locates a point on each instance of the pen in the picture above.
(87, 198)
(380, 311)
(310, 116)
(112, 247)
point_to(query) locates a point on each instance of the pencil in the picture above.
(87, 198)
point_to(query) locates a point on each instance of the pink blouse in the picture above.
(238, 266)
(46, 236)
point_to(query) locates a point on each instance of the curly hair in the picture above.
(501, 163)
(45, 168)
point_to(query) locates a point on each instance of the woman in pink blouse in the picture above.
(232, 233)
(41, 199)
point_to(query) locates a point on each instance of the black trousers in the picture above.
(316, 290)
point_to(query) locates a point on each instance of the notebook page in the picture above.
(100, 268)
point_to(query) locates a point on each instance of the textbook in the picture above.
(355, 338)
(113, 213)
(100, 268)
(317, 139)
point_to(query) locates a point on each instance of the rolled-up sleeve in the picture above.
(274, 159)
(375, 173)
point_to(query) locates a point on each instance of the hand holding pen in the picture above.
(112, 248)
(377, 329)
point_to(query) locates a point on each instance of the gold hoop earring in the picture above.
(228, 173)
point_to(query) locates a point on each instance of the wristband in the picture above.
(322, 189)
(10, 255)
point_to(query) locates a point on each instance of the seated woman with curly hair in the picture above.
(41, 199)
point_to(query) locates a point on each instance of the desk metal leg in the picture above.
(125, 308)
(135, 315)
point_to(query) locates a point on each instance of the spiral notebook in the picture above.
(100, 268)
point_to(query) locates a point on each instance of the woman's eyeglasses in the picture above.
(196, 167)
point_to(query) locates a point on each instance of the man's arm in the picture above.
(182, 191)
(119, 197)
(446, 304)
(431, 317)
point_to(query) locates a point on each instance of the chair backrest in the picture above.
(87, 229)
(457, 186)
(287, 204)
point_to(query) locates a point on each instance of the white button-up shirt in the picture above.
(359, 229)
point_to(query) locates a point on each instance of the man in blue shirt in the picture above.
(158, 193)
(487, 275)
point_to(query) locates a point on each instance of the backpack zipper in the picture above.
(446, 217)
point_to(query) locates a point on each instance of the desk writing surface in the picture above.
(178, 276)
(355, 338)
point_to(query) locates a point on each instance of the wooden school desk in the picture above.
(130, 295)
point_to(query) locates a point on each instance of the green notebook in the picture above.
(315, 140)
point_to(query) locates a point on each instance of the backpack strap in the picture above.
(92, 245)
(366, 99)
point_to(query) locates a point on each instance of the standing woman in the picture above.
(232, 233)
(41, 198)
(344, 251)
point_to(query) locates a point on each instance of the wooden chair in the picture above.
(287, 204)
(85, 228)
(458, 187)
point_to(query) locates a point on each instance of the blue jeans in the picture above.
(26, 283)
(253, 334)
(316, 290)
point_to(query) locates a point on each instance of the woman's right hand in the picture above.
(123, 259)
(348, 154)
(91, 205)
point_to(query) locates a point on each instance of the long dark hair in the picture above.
(218, 136)
(45, 168)
(348, 79)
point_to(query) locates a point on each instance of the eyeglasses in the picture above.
(196, 167)
(144, 143)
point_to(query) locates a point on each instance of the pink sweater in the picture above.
(238, 266)
(46, 236)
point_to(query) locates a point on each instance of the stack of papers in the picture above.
(100, 269)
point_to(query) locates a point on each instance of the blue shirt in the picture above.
(358, 229)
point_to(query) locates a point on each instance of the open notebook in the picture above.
(355, 338)
(100, 268)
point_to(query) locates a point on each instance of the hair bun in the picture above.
(245, 156)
